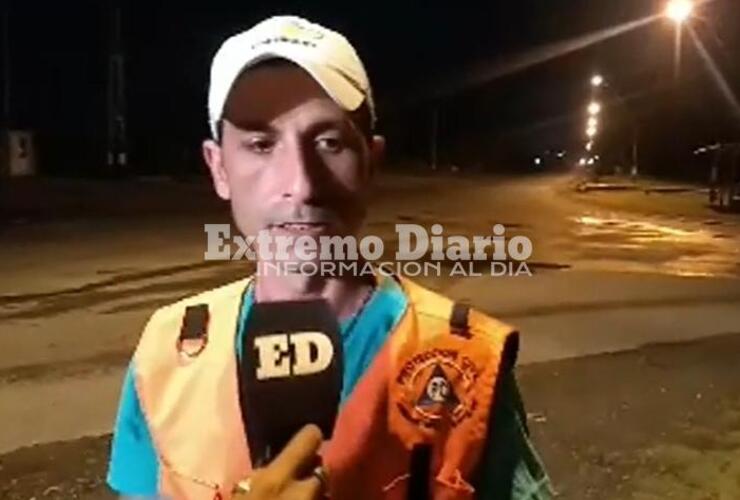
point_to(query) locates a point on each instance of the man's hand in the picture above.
(288, 475)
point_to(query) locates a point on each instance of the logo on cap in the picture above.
(296, 30)
(294, 33)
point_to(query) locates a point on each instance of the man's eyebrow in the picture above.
(317, 127)
(253, 126)
(329, 124)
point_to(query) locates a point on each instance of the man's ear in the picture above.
(377, 153)
(212, 154)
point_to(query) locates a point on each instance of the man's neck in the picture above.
(345, 294)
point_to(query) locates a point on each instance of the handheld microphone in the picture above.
(290, 373)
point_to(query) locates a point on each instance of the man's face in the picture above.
(291, 161)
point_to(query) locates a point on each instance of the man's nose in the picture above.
(301, 183)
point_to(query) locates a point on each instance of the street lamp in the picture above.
(594, 108)
(679, 10)
(597, 80)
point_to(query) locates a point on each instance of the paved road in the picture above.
(609, 276)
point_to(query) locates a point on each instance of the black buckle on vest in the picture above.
(194, 331)
(459, 320)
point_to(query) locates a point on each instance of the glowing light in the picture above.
(593, 122)
(582, 161)
(594, 108)
(597, 80)
(591, 131)
(589, 146)
(679, 10)
(537, 161)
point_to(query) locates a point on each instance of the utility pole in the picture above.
(5, 124)
(117, 154)
(435, 136)
(635, 145)
(678, 49)
(6, 65)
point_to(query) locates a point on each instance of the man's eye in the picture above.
(330, 144)
(260, 145)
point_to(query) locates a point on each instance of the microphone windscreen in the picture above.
(290, 373)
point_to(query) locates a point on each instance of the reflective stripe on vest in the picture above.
(431, 385)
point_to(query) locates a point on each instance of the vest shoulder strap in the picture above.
(458, 318)
(187, 320)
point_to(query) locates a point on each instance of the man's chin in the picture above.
(295, 269)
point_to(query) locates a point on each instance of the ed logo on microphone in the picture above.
(282, 355)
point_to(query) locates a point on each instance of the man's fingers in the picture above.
(299, 454)
(308, 489)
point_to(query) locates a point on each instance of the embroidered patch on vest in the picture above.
(438, 385)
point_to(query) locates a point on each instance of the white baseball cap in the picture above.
(325, 54)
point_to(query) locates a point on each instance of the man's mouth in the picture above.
(302, 227)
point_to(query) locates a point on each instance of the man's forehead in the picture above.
(269, 92)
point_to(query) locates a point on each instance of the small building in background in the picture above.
(18, 154)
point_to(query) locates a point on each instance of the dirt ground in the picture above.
(662, 422)
(658, 422)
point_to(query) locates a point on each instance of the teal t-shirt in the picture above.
(510, 469)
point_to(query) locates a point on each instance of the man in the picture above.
(428, 390)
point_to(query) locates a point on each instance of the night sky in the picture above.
(441, 54)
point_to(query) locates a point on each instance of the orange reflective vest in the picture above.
(191, 403)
